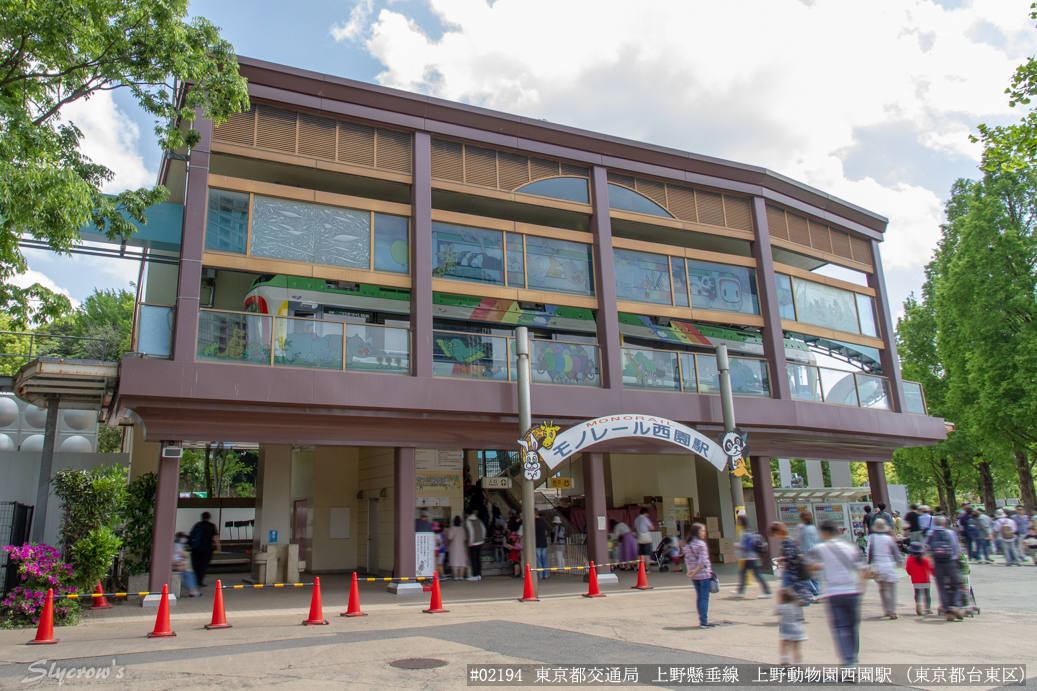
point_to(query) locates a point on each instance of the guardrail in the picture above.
(826, 385)
(31, 342)
(154, 336)
(297, 342)
(667, 370)
(485, 356)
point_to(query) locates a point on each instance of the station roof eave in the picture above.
(77, 384)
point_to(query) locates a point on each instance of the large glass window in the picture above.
(823, 305)
(722, 287)
(642, 277)
(516, 261)
(786, 300)
(680, 282)
(628, 200)
(226, 223)
(468, 254)
(391, 244)
(866, 314)
(569, 189)
(559, 265)
(311, 233)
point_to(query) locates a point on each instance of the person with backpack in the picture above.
(884, 515)
(866, 520)
(203, 540)
(752, 547)
(884, 558)
(925, 522)
(969, 528)
(944, 548)
(1005, 531)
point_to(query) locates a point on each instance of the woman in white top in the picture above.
(884, 557)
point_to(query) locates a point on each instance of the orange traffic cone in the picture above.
(353, 610)
(528, 595)
(592, 590)
(436, 606)
(219, 616)
(45, 631)
(642, 578)
(162, 629)
(100, 601)
(316, 614)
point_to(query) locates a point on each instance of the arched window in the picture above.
(567, 188)
(628, 200)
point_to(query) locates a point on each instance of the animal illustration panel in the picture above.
(642, 277)
(722, 287)
(477, 356)
(467, 254)
(559, 265)
(565, 363)
(234, 337)
(306, 343)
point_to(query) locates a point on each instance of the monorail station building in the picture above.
(353, 262)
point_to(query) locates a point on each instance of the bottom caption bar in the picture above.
(744, 675)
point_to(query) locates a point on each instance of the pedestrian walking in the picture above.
(794, 576)
(182, 564)
(643, 527)
(914, 532)
(925, 522)
(843, 571)
(968, 531)
(944, 548)
(790, 627)
(867, 519)
(983, 529)
(540, 531)
(1022, 526)
(558, 541)
(440, 541)
(920, 569)
(808, 539)
(700, 571)
(1030, 541)
(203, 540)
(1005, 531)
(881, 514)
(476, 533)
(457, 545)
(626, 544)
(884, 558)
(752, 546)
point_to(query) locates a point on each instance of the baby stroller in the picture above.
(661, 555)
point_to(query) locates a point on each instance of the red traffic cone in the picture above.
(642, 578)
(162, 629)
(316, 615)
(45, 631)
(528, 595)
(100, 601)
(219, 615)
(353, 610)
(436, 605)
(592, 590)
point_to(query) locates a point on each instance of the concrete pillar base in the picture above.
(405, 588)
(154, 600)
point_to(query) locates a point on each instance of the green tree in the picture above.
(139, 517)
(55, 52)
(106, 315)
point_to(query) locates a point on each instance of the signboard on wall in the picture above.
(560, 483)
(497, 482)
(424, 554)
(446, 482)
(836, 513)
(438, 460)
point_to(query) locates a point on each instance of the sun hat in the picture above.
(557, 519)
(915, 548)
(1000, 513)
(880, 526)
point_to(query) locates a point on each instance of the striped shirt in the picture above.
(697, 554)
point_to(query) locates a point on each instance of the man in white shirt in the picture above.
(841, 566)
(643, 527)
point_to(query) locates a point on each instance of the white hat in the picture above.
(557, 519)
(880, 526)
(1000, 513)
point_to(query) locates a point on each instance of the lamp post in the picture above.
(728, 407)
(525, 423)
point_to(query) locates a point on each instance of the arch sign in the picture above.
(544, 443)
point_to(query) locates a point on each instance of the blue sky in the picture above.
(872, 103)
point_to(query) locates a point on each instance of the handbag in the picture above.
(714, 584)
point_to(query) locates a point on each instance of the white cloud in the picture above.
(779, 83)
(110, 138)
(31, 277)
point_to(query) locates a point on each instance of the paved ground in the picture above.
(267, 646)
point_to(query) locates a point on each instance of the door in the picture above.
(372, 536)
(300, 524)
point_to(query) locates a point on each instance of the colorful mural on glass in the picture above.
(311, 233)
(391, 244)
(642, 277)
(786, 305)
(565, 363)
(470, 355)
(722, 287)
(559, 265)
(468, 254)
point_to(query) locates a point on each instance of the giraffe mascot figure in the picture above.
(541, 436)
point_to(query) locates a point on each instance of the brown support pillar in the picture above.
(888, 355)
(877, 483)
(192, 242)
(404, 564)
(766, 509)
(421, 257)
(606, 319)
(773, 335)
(597, 519)
(167, 492)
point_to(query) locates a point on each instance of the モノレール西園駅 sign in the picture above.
(547, 443)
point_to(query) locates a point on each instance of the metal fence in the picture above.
(15, 522)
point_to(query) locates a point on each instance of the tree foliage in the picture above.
(55, 52)
(139, 523)
(92, 503)
(106, 315)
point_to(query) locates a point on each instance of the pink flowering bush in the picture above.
(39, 567)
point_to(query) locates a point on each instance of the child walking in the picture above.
(790, 627)
(921, 572)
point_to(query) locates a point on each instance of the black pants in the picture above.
(754, 566)
(475, 557)
(946, 573)
(200, 559)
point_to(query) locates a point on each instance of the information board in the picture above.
(836, 513)
(424, 554)
(439, 460)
